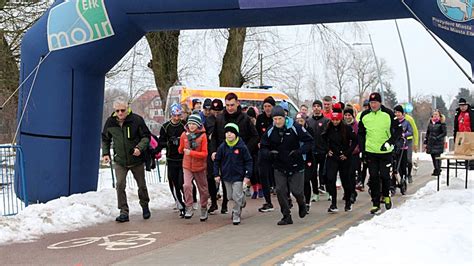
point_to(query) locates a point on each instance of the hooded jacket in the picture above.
(232, 164)
(291, 142)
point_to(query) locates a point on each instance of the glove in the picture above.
(386, 146)
(274, 154)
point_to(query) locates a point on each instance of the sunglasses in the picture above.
(120, 110)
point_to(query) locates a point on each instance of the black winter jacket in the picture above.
(263, 123)
(340, 142)
(247, 130)
(318, 125)
(434, 138)
(169, 139)
(291, 142)
(232, 164)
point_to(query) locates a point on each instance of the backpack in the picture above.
(152, 153)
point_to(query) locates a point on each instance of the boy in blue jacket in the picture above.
(233, 164)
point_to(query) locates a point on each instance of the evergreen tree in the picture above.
(390, 97)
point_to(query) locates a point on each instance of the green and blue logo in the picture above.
(77, 22)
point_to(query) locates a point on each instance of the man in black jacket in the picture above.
(233, 114)
(131, 138)
(286, 144)
(170, 134)
(318, 124)
(267, 177)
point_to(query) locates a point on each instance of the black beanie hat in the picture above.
(251, 112)
(217, 105)
(318, 102)
(234, 128)
(207, 103)
(278, 111)
(349, 111)
(269, 100)
(375, 97)
(399, 108)
(462, 101)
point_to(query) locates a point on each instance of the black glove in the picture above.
(385, 146)
(274, 154)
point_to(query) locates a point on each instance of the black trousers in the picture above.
(436, 162)
(286, 184)
(379, 171)
(319, 172)
(266, 172)
(333, 167)
(308, 175)
(176, 180)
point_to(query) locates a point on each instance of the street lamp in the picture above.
(376, 63)
(406, 63)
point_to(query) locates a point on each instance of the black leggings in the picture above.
(175, 179)
(436, 162)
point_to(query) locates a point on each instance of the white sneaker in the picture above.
(195, 206)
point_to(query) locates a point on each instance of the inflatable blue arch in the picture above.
(78, 41)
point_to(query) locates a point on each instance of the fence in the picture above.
(11, 160)
(155, 176)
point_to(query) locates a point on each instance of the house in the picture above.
(149, 106)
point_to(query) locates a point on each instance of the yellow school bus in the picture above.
(251, 96)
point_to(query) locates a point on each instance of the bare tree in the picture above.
(338, 63)
(364, 72)
(231, 74)
(15, 19)
(164, 50)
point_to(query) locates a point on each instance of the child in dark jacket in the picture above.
(233, 164)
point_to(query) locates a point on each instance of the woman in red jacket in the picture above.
(193, 143)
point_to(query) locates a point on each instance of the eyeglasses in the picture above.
(120, 110)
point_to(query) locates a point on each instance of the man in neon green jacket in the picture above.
(378, 132)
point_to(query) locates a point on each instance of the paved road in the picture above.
(166, 239)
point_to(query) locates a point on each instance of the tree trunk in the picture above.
(164, 63)
(9, 76)
(231, 74)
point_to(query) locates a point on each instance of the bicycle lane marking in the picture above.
(324, 233)
(131, 241)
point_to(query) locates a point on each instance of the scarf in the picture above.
(232, 143)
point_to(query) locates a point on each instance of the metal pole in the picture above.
(130, 85)
(378, 68)
(406, 63)
(260, 58)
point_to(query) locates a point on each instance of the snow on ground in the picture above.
(430, 228)
(80, 210)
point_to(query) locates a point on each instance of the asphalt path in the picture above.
(168, 240)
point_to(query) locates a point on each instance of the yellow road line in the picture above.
(321, 235)
(283, 241)
(310, 241)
